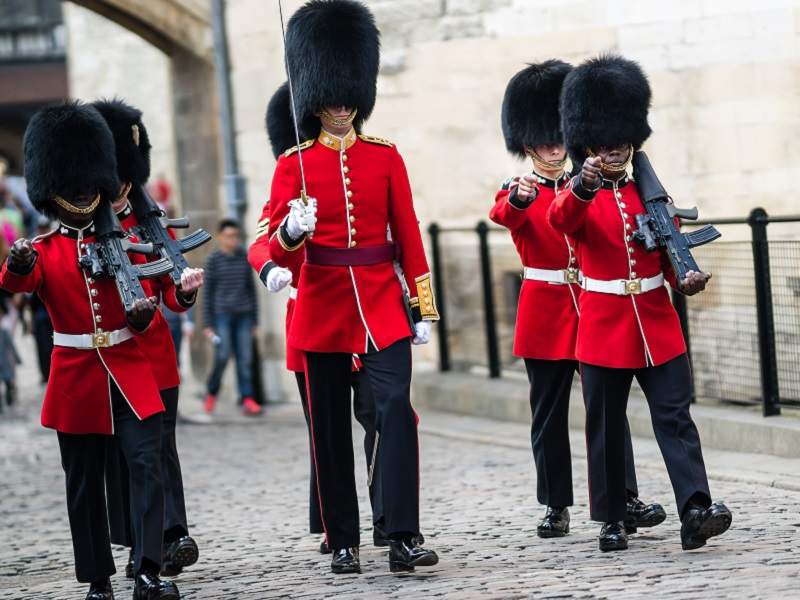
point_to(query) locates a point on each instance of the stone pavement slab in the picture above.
(246, 486)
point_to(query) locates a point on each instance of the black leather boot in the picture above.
(323, 546)
(100, 590)
(643, 515)
(554, 524)
(700, 524)
(129, 567)
(181, 553)
(147, 586)
(345, 560)
(404, 555)
(613, 537)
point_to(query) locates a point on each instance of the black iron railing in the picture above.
(738, 353)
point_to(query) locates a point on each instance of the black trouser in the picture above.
(389, 375)
(667, 388)
(118, 488)
(364, 409)
(83, 459)
(551, 384)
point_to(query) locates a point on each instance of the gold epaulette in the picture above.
(375, 140)
(303, 146)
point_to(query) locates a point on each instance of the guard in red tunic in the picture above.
(350, 300)
(628, 327)
(97, 386)
(280, 130)
(133, 167)
(548, 310)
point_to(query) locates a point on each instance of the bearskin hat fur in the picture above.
(69, 152)
(333, 52)
(133, 145)
(530, 114)
(604, 102)
(280, 127)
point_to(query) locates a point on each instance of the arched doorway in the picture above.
(182, 30)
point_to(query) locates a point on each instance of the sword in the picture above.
(303, 193)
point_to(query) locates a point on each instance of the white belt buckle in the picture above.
(632, 286)
(101, 340)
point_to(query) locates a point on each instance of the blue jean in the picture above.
(235, 337)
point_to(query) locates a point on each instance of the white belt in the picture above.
(562, 276)
(623, 287)
(90, 341)
(292, 293)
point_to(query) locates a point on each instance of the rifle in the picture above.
(108, 258)
(153, 229)
(656, 228)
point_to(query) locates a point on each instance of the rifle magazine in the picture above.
(704, 235)
(154, 269)
(194, 240)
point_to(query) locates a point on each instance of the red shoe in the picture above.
(210, 403)
(250, 407)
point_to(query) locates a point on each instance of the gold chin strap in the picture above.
(329, 119)
(126, 189)
(547, 165)
(616, 168)
(74, 209)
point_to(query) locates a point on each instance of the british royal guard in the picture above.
(97, 386)
(628, 327)
(280, 131)
(350, 300)
(548, 309)
(133, 168)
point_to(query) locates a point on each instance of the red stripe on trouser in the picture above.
(313, 444)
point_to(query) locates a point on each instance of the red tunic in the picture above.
(156, 341)
(363, 194)
(258, 256)
(547, 313)
(627, 332)
(78, 398)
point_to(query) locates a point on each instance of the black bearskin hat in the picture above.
(280, 128)
(604, 102)
(130, 138)
(69, 152)
(333, 51)
(530, 106)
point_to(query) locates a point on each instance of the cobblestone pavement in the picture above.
(246, 486)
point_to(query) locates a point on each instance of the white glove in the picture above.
(422, 333)
(278, 278)
(302, 218)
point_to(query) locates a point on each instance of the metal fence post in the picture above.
(438, 285)
(679, 302)
(770, 395)
(490, 318)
